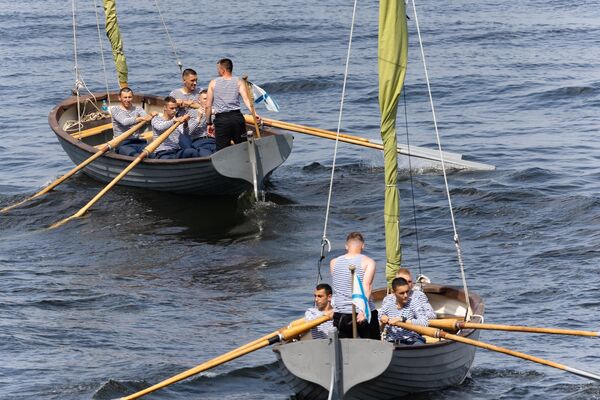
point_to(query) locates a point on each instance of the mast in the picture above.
(392, 55)
(114, 36)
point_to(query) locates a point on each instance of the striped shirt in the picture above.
(419, 301)
(160, 125)
(226, 95)
(322, 331)
(413, 314)
(200, 129)
(342, 283)
(124, 119)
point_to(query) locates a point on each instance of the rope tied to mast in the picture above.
(179, 64)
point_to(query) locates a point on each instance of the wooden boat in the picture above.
(226, 172)
(370, 369)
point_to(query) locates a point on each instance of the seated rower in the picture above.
(402, 310)
(418, 298)
(188, 101)
(323, 293)
(124, 116)
(201, 139)
(178, 144)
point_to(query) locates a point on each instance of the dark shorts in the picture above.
(343, 322)
(229, 126)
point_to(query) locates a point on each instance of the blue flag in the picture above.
(260, 96)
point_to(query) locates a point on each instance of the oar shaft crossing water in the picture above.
(453, 325)
(439, 333)
(291, 331)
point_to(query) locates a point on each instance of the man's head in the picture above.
(202, 97)
(355, 242)
(224, 65)
(406, 275)
(401, 290)
(190, 79)
(323, 294)
(125, 97)
(170, 107)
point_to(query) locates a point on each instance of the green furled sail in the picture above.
(392, 54)
(114, 36)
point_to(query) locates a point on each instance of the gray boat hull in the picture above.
(225, 172)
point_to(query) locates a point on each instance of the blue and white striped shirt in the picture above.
(226, 95)
(419, 301)
(160, 125)
(322, 331)
(124, 119)
(341, 280)
(413, 314)
(200, 129)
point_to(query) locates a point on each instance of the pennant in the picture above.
(359, 299)
(261, 96)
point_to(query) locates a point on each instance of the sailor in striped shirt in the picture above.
(188, 101)
(417, 297)
(178, 143)
(323, 306)
(404, 310)
(124, 116)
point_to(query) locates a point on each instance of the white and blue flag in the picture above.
(359, 299)
(260, 96)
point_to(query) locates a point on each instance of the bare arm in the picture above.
(208, 109)
(368, 265)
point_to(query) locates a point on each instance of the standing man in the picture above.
(322, 306)
(124, 116)
(342, 289)
(224, 98)
(402, 309)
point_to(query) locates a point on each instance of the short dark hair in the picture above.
(326, 287)
(187, 72)
(226, 63)
(125, 90)
(203, 91)
(355, 236)
(399, 282)
(170, 99)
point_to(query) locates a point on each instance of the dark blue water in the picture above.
(149, 285)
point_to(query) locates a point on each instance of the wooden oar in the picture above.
(452, 325)
(101, 150)
(438, 333)
(251, 101)
(147, 150)
(277, 336)
(91, 131)
(453, 159)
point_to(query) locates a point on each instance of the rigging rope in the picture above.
(412, 186)
(101, 52)
(324, 240)
(76, 66)
(169, 37)
(437, 134)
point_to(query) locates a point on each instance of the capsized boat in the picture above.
(226, 172)
(372, 369)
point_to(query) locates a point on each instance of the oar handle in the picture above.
(251, 101)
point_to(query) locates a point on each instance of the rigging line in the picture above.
(437, 134)
(412, 186)
(102, 52)
(324, 239)
(76, 67)
(169, 36)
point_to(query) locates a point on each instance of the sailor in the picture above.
(203, 142)
(323, 293)
(417, 297)
(188, 100)
(124, 116)
(224, 98)
(178, 144)
(342, 289)
(404, 310)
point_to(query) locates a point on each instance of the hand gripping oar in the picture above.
(453, 325)
(453, 159)
(147, 150)
(277, 336)
(438, 333)
(101, 150)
